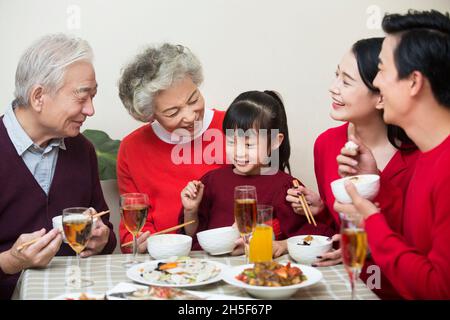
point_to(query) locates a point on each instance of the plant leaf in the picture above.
(106, 150)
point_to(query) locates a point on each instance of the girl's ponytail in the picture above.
(285, 147)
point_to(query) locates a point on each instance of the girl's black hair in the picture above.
(260, 110)
(366, 52)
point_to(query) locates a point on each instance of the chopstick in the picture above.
(162, 231)
(100, 214)
(26, 244)
(304, 203)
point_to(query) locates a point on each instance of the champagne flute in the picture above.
(134, 210)
(77, 224)
(245, 213)
(353, 246)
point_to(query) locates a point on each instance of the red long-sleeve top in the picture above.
(417, 260)
(145, 165)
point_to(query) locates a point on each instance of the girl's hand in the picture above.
(331, 257)
(279, 248)
(239, 248)
(355, 162)
(312, 198)
(192, 195)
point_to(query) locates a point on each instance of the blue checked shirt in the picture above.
(40, 161)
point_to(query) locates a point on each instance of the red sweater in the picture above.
(417, 261)
(144, 164)
(394, 181)
(217, 206)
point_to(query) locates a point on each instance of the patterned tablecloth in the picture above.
(107, 271)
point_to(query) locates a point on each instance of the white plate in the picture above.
(76, 296)
(128, 287)
(134, 274)
(313, 276)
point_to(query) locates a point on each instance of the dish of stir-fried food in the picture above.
(272, 274)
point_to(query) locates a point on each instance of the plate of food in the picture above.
(81, 296)
(272, 280)
(177, 272)
(132, 291)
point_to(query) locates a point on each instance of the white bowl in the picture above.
(367, 186)
(218, 241)
(164, 246)
(313, 276)
(308, 254)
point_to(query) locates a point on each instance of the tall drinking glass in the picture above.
(77, 224)
(262, 238)
(134, 210)
(245, 213)
(353, 246)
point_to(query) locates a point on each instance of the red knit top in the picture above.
(417, 260)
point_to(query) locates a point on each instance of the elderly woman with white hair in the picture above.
(45, 164)
(181, 140)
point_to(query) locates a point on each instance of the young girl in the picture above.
(210, 201)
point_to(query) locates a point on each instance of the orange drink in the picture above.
(262, 237)
(261, 244)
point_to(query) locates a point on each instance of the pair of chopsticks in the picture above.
(26, 244)
(162, 231)
(304, 204)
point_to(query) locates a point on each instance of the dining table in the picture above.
(107, 271)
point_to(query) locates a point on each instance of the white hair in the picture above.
(156, 69)
(45, 62)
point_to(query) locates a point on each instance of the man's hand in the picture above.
(36, 255)
(99, 238)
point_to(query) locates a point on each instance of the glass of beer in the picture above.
(245, 213)
(77, 224)
(262, 237)
(353, 246)
(134, 210)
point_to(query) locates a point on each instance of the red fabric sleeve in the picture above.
(414, 274)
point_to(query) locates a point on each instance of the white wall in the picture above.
(287, 45)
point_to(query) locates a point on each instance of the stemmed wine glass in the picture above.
(245, 213)
(77, 224)
(134, 210)
(353, 246)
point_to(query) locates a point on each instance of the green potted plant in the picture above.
(106, 149)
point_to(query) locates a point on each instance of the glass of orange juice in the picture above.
(262, 237)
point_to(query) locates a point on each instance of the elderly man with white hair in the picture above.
(45, 164)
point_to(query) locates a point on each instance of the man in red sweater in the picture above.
(414, 81)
